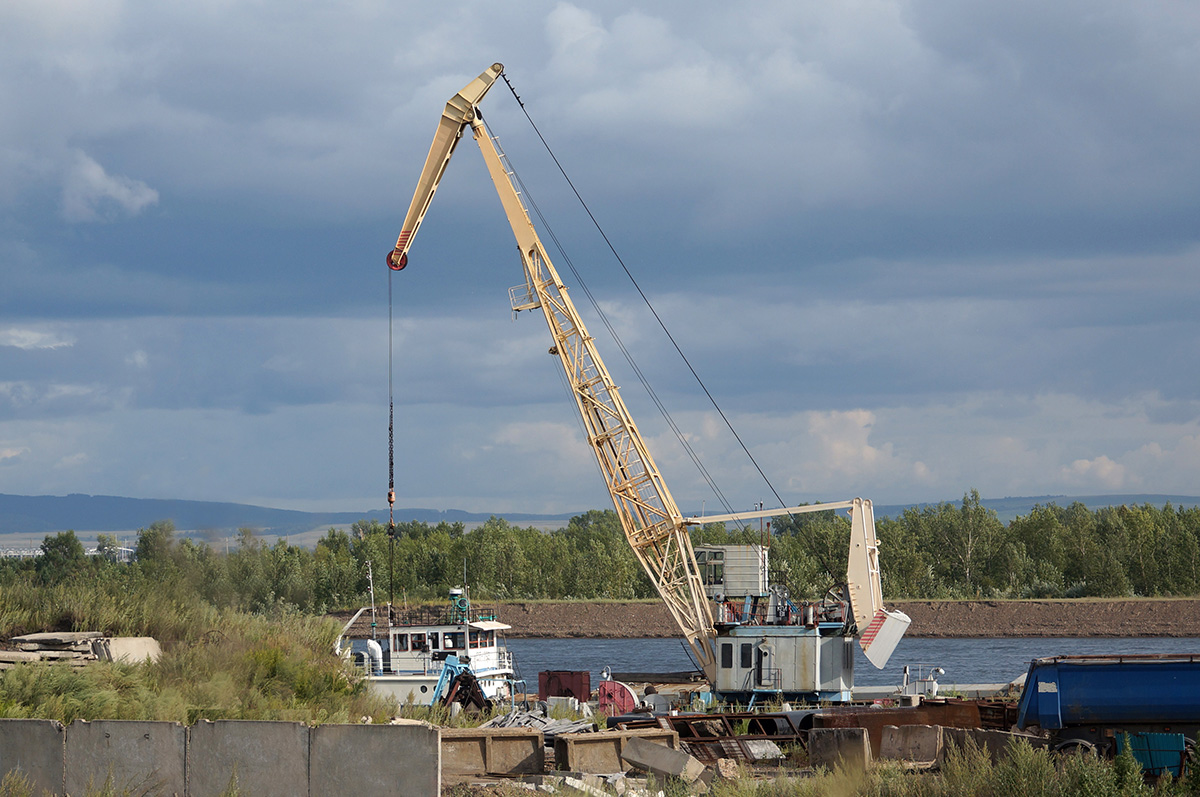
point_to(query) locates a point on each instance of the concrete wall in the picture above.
(139, 757)
(267, 758)
(248, 755)
(368, 760)
(35, 749)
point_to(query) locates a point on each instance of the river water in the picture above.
(966, 661)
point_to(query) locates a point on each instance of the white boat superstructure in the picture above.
(403, 657)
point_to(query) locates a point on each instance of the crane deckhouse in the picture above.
(757, 641)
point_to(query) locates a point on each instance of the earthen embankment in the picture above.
(1034, 618)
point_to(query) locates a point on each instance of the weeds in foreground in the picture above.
(969, 772)
(16, 784)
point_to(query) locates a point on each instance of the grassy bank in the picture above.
(216, 663)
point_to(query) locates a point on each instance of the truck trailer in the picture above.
(1099, 703)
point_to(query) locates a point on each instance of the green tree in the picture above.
(62, 557)
(154, 543)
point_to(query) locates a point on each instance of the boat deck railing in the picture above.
(441, 615)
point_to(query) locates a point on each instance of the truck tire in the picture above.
(1076, 746)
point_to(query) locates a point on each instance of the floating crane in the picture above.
(782, 648)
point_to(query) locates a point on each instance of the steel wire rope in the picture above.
(391, 496)
(566, 258)
(641, 293)
(391, 414)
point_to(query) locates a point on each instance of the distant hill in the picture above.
(1009, 508)
(38, 515)
(33, 517)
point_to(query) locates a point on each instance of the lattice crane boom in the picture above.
(653, 524)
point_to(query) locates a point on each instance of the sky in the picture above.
(910, 248)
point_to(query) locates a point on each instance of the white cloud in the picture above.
(92, 194)
(1098, 473)
(75, 460)
(30, 339)
(576, 39)
(12, 453)
(560, 445)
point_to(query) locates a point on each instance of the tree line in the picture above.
(946, 550)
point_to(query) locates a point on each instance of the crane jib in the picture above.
(806, 646)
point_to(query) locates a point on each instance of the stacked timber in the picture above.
(77, 648)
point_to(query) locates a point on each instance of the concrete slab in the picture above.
(34, 748)
(994, 742)
(761, 750)
(374, 761)
(266, 759)
(132, 649)
(920, 744)
(140, 757)
(839, 747)
(56, 638)
(660, 760)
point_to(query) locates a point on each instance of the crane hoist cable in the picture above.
(391, 495)
(629, 358)
(648, 303)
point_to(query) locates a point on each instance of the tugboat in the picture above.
(421, 654)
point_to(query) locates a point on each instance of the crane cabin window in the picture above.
(747, 655)
(712, 566)
(726, 655)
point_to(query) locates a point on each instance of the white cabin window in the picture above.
(453, 640)
(401, 643)
(433, 639)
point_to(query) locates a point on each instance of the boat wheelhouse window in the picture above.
(433, 639)
(747, 655)
(475, 640)
(419, 643)
(453, 640)
(400, 643)
(726, 655)
(491, 639)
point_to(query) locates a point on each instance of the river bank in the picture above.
(932, 619)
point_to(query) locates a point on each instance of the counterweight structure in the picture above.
(653, 524)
